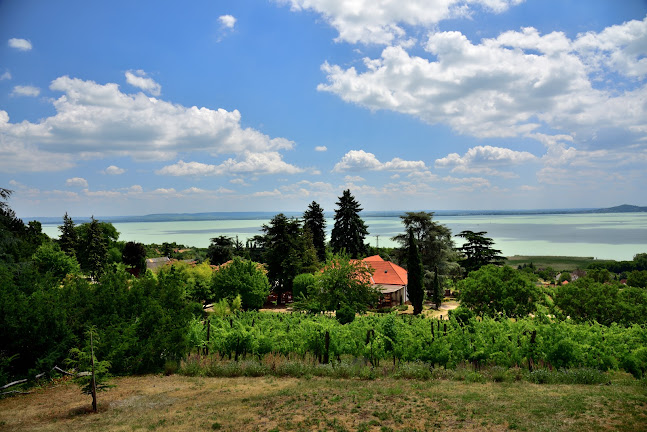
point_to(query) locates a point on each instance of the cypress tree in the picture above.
(415, 275)
(315, 222)
(349, 230)
(437, 290)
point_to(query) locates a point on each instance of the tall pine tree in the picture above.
(349, 230)
(315, 222)
(96, 249)
(69, 238)
(415, 274)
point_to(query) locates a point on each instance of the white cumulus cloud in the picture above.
(76, 182)
(227, 21)
(357, 160)
(321, 148)
(485, 160)
(5, 76)
(140, 79)
(114, 170)
(249, 163)
(381, 21)
(510, 85)
(96, 120)
(30, 91)
(20, 44)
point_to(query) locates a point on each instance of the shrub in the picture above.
(345, 314)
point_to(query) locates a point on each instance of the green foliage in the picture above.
(349, 231)
(69, 238)
(436, 246)
(637, 279)
(345, 314)
(492, 290)
(85, 360)
(49, 258)
(303, 285)
(343, 282)
(221, 250)
(504, 343)
(478, 251)
(314, 221)
(587, 300)
(134, 255)
(286, 252)
(241, 278)
(415, 275)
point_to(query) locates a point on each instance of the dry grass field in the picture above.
(178, 403)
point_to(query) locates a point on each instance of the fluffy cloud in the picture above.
(95, 120)
(227, 21)
(20, 44)
(5, 76)
(139, 79)
(30, 91)
(114, 170)
(250, 163)
(76, 182)
(321, 148)
(510, 85)
(358, 160)
(485, 160)
(353, 179)
(380, 21)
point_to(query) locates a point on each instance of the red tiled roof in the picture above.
(386, 272)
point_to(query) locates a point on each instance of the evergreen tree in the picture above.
(315, 222)
(283, 251)
(96, 249)
(349, 230)
(69, 238)
(415, 274)
(478, 251)
(220, 250)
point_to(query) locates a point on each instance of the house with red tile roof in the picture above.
(389, 278)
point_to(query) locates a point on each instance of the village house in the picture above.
(390, 279)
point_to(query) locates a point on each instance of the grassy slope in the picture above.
(268, 403)
(558, 263)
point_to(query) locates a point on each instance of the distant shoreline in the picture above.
(174, 217)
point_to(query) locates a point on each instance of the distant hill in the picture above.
(624, 208)
(172, 217)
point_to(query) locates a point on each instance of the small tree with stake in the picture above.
(82, 360)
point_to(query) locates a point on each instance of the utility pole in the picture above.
(377, 244)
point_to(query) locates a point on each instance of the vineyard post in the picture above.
(433, 336)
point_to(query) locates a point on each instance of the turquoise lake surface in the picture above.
(602, 235)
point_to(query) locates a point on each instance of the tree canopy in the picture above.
(349, 231)
(491, 290)
(478, 251)
(244, 278)
(315, 222)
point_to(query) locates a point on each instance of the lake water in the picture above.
(604, 236)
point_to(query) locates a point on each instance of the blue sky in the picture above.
(125, 108)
